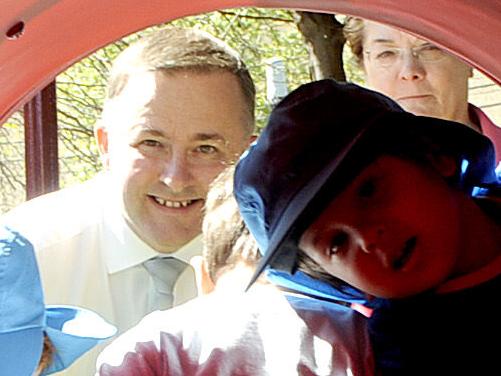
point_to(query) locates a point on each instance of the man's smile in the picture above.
(175, 203)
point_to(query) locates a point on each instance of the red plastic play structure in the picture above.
(41, 38)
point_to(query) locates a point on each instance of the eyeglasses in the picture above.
(385, 57)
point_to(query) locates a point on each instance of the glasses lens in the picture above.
(384, 56)
(430, 53)
(387, 56)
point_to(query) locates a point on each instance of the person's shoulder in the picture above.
(481, 119)
(154, 334)
(173, 320)
(57, 215)
(64, 200)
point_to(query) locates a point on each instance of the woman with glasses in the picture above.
(421, 77)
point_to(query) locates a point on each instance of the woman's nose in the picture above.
(411, 68)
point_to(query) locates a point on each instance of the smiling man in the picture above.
(180, 108)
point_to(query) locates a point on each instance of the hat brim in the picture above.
(282, 250)
(28, 342)
(73, 332)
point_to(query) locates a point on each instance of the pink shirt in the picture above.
(488, 128)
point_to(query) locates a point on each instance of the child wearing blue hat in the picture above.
(35, 339)
(346, 188)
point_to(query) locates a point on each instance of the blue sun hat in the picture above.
(24, 318)
(319, 138)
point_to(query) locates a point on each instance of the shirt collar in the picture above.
(188, 251)
(131, 251)
(123, 249)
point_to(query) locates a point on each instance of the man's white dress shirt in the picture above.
(88, 256)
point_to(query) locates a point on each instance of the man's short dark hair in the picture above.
(173, 50)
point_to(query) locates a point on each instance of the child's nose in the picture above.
(372, 235)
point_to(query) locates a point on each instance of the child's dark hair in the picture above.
(310, 267)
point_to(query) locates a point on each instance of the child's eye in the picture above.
(338, 241)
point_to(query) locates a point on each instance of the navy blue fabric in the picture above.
(439, 334)
(317, 139)
(314, 139)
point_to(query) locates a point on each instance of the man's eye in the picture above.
(151, 143)
(367, 189)
(207, 149)
(338, 241)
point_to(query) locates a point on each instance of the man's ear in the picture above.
(101, 135)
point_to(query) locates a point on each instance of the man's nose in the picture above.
(176, 173)
(411, 68)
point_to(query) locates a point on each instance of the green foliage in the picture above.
(12, 173)
(258, 34)
(353, 72)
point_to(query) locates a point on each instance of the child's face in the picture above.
(393, 231)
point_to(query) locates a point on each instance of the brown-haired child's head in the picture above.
(227, 241)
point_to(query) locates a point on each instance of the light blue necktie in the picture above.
(165, 271)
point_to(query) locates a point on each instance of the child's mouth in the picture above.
(406, 254)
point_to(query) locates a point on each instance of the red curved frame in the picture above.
(59, 32)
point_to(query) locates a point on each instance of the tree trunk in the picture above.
(324, 39)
